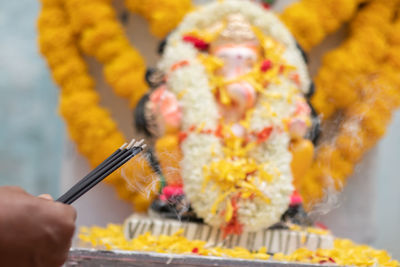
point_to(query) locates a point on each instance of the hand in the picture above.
(298, 127)
(34, 231)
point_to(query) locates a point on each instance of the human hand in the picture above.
(34, 231)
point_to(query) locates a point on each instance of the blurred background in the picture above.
(34, 148)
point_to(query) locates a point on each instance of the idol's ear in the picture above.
(154, 77)
(161, 46)
(140, 118)
(303, 53)
(311, 91)
(315, 130)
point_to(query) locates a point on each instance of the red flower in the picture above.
(195, 250)
(295, 199)
(163, 198)
(233, 227)
(295, 78)
(179, 64)
(170, 191)
(266, 65)
(218, 132)
(281, 69)
(264, 135)
(182, 136)
(266, 5)
(321, 225)
(197, 42)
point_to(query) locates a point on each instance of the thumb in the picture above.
(45, 196)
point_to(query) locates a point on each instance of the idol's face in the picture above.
(238, 59)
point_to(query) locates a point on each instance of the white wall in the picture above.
(387, 205)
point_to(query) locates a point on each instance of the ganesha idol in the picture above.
(234, 130)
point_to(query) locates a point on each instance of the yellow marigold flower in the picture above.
(158, 13)
(72, 105)
(304, 25)
(72, 67)
(127, 61)
(394, 37)
(131, 85)
(351, 147)
(51, 17)
(80, 83)
(58, 57)
(142, 202)
(394, 55)
(134, 6)
(88, 15)
(102, 32)
(322, 104)
(109, 50)
(51, 3)
(54, 39)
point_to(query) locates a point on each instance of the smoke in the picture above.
(138, 179)
(137, 176)
(349, 123)
(330, 202)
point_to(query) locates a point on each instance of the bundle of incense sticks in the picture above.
(108, 166)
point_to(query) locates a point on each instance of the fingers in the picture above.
(69, 211)
(61, 222)
(15, 189)
(72, 212)
(65, 210)
(44, 228)
(45, 196)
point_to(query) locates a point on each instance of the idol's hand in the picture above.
(34, 231)
(167, 111)
(298, 127)
(243, 97)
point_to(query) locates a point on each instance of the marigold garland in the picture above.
(361, 79)
(310, 21)
(89, 125)
(92, 23)
(344, 252)
(163, 16)
(339, 77)
(100, 35)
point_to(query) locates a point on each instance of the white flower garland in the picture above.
(199, 107)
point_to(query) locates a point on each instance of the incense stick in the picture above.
(135, 151)
(108, 166)
(64, 197)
